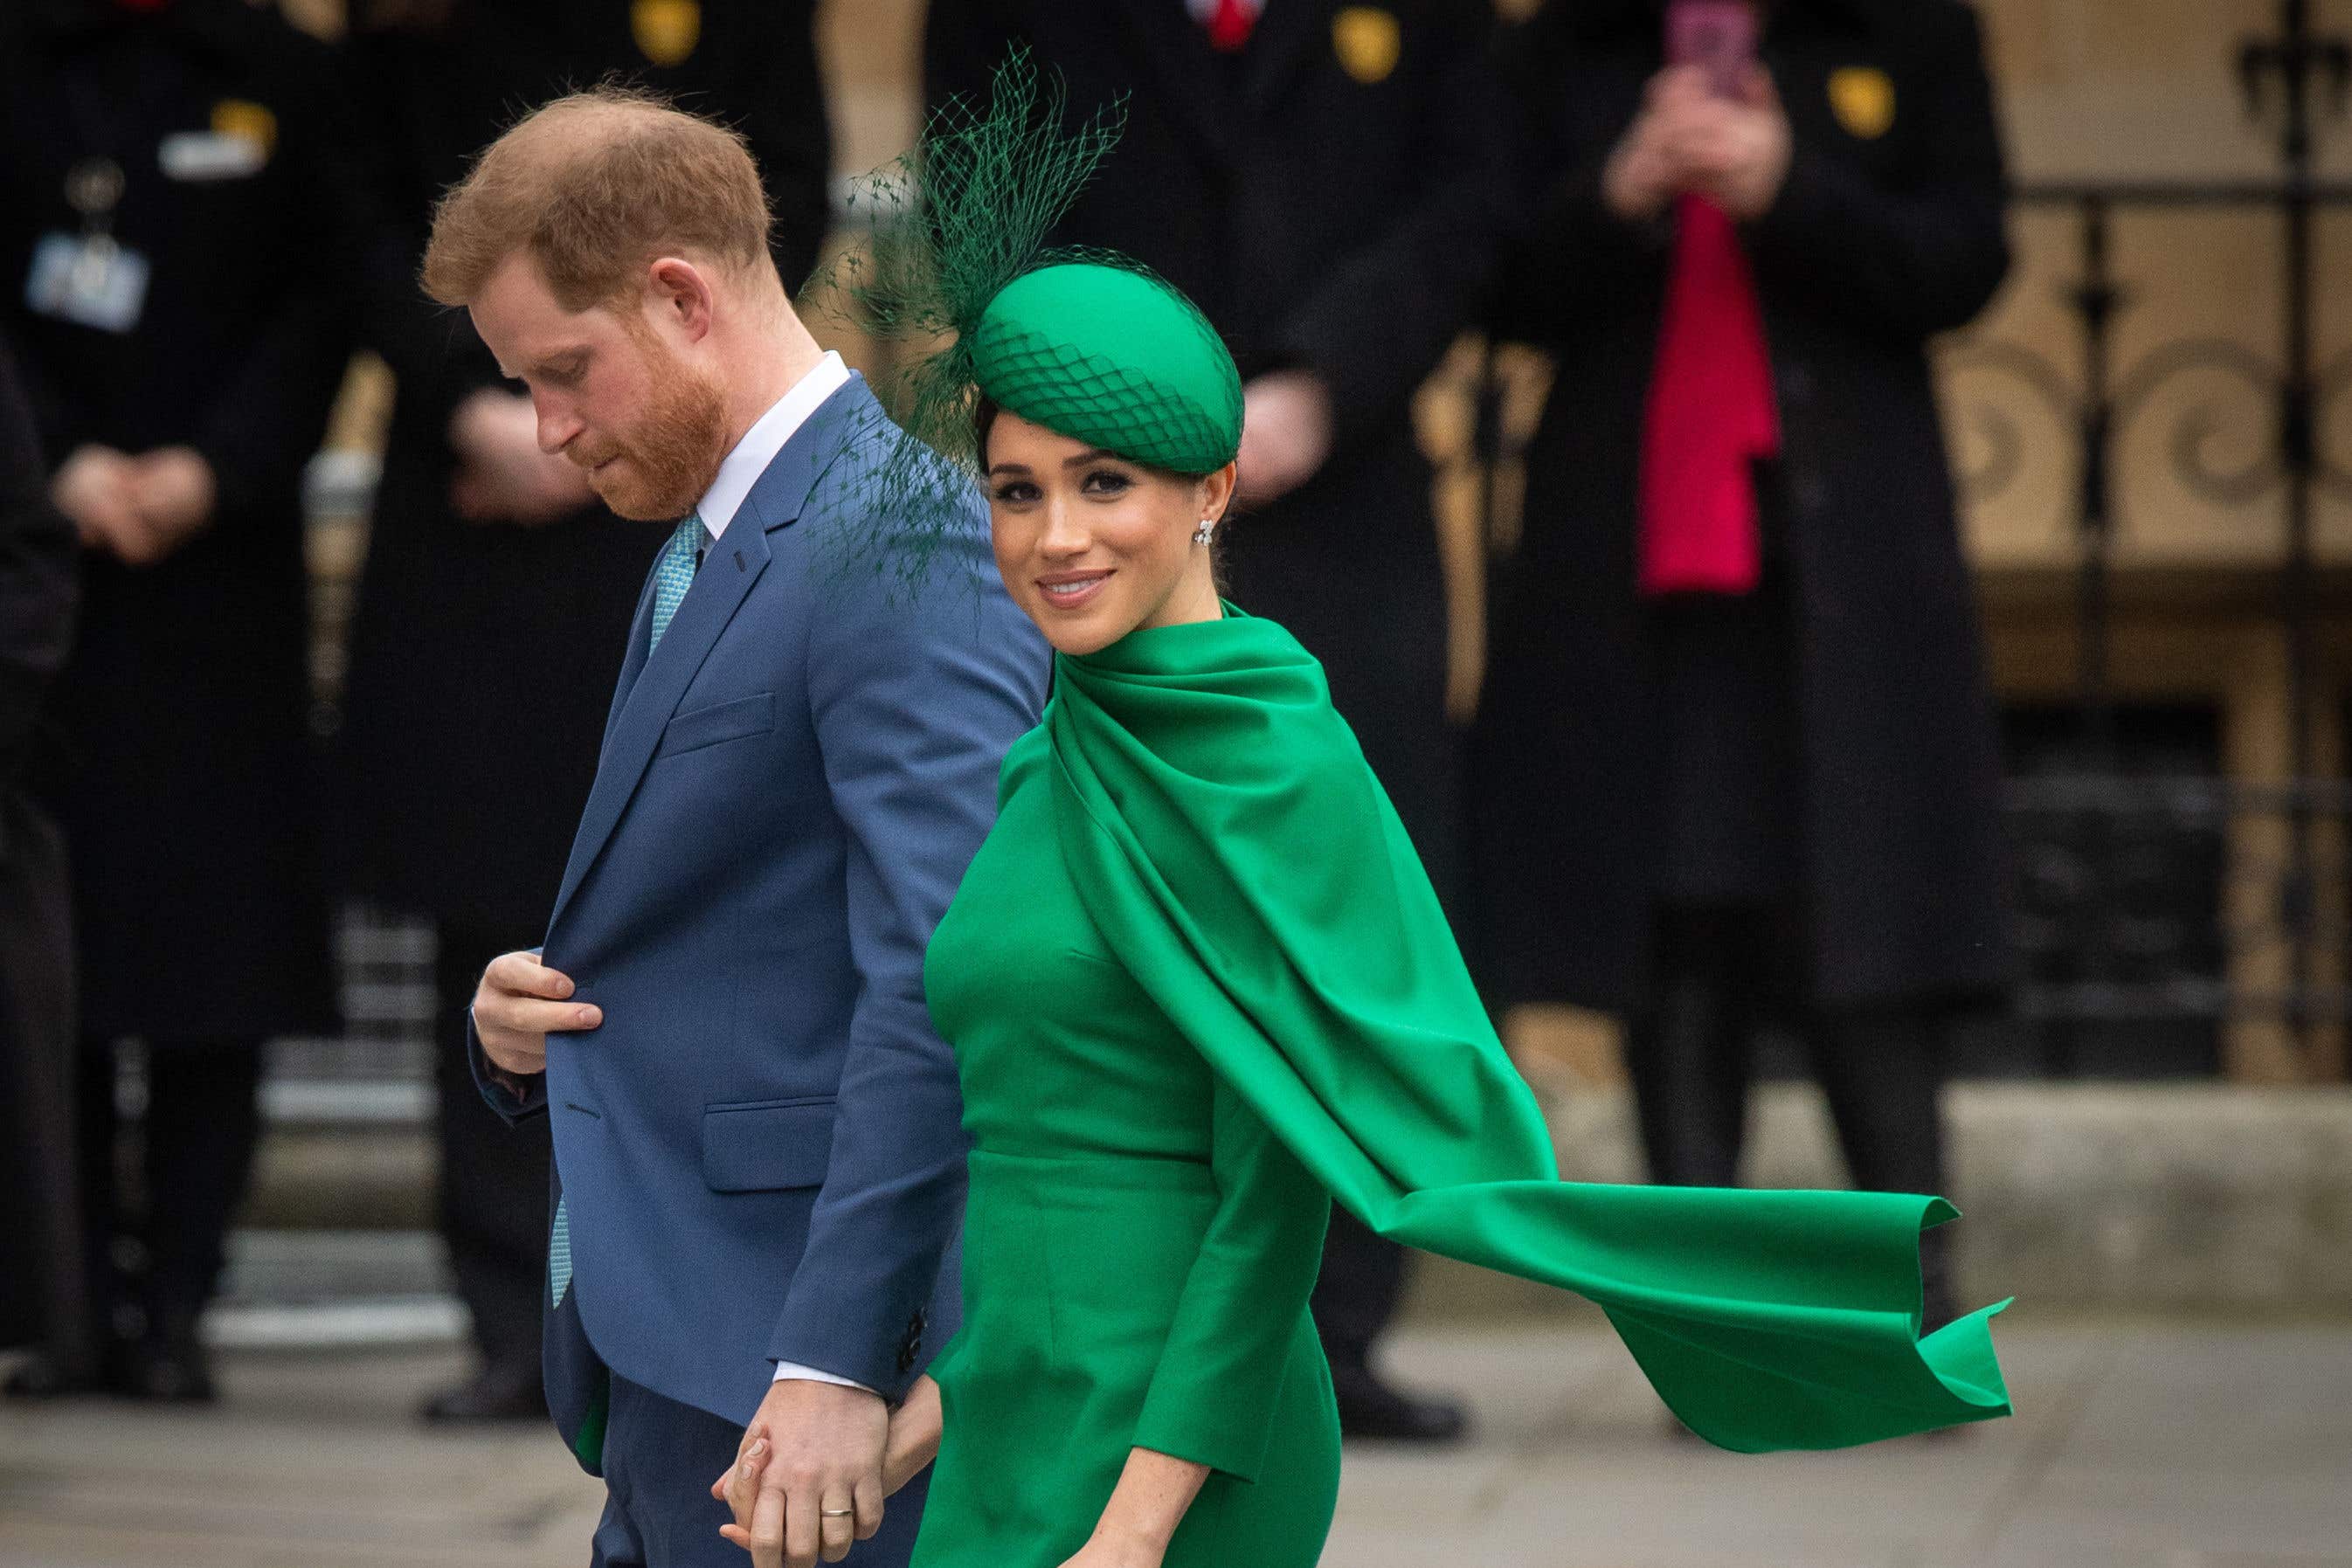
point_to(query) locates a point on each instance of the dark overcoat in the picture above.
(186, 786)
(40, 1249)
(1331, 197)
(1889, 229)
(484, 653)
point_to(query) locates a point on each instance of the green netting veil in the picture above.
(1116, 358)
(952, 264)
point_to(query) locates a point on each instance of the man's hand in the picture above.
(1285, 433)
(519, 1004)
(1735, 152)
(94, 488)
(502, 476)
(806, 1484)
(137, 509)
(174, 490)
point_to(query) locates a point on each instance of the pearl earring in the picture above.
(1201, 535)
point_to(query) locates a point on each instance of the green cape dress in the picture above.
(1197, 980)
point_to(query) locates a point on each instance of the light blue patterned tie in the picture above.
(676, 574)
(672, 578)
(559, 1256)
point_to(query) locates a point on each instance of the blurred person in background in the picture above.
(163, 167)
(1322, 179)
(1735, 762)
(41, 1281)
(496, 586)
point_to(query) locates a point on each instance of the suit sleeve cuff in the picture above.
(794, 1372)
(515, 1100)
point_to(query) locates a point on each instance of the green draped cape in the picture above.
(1240, 858)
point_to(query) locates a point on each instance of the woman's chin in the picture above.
(1078, 633)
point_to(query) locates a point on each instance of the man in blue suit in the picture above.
(758, 1146)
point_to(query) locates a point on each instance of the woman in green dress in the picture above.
(1198, 987)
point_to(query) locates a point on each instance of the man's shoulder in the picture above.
(886, 506)
(883, 471)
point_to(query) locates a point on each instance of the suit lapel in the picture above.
(1193, 87)
(641, 633)
(1287, 32)
(733, 565)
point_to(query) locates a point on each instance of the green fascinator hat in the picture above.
(951, 264)
(1115, 357)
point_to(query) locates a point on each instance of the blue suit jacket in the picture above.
(760, 1151)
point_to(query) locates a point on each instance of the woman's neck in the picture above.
(1194, 600)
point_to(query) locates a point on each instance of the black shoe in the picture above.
(50, 1374)
(173, 1369)
(495, 1394)
(1370, 1408)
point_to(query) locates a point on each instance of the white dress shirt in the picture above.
(741, 469)
(738, 472)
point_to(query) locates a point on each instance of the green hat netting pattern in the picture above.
(953, 263)
(1115, 357)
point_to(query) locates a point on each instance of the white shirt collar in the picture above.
(741, 469)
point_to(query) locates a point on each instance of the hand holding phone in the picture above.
(1718, 37)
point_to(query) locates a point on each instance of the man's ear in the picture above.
(680, 293)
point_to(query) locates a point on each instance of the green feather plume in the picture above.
(941, 231)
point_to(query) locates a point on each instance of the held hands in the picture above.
(502, 475)
(1688, 139)
(1285, 433)
(808, 1482)
(138, 509)
(915, 1429)
(519, 1002)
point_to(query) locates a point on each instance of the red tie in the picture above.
(1711, 416)
(1229, 25)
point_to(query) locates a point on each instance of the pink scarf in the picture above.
(1711, 417)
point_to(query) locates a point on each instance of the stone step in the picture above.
(320, 1289)
(343, 1155)
(2181, 1196)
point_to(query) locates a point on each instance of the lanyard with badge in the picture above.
(90, 278)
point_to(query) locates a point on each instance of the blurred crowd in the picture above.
(1734, 767)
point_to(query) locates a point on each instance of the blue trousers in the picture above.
(660, 1457)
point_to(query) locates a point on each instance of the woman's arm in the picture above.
(1144, 1510)
(914, 1440)
(1209, 1406)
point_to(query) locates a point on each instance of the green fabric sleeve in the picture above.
(1240, 859)
(1212, 1399)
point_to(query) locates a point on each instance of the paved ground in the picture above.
(2147, 1445)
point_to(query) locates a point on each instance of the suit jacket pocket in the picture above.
(763, 1145)
(693, 730)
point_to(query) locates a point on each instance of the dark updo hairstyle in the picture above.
(984, 410)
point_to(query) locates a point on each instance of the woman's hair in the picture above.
(984, 410)
(595, 185)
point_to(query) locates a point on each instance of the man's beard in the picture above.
(673, 454)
